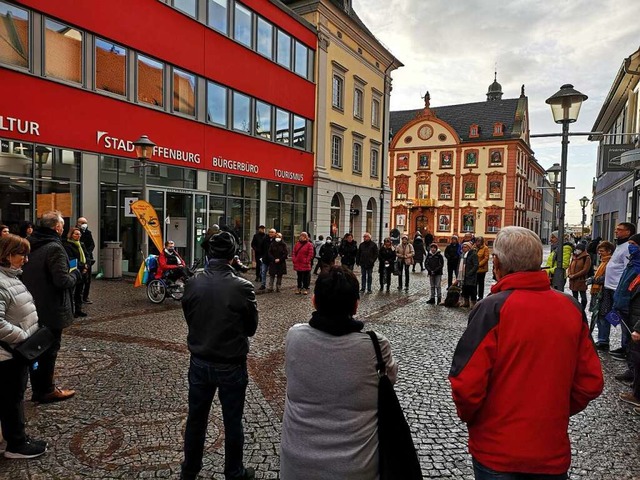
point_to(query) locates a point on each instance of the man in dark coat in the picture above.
(50, 282)
(347, 251)
(264, 258)
(221, 313)
(452, 254)
(256, 246)
(86, 238)
(366, 257)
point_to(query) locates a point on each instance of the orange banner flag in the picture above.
(148, 218)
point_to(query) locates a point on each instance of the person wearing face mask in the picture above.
(76, 251)
(86, 238)
(48, 279)
(278, 253)
(171, 266)
(435, 265)
(577, 274)
(18, 321)
(328, 254)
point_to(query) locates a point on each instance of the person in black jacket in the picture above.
(76, 251)
(256, 246)
(435, 264)
(48, 279)
(219, 344)
(452, 254)
(348, 250)
(89, 245)
(386, 259)
(420, 251)
(366, 258)
(328, 254)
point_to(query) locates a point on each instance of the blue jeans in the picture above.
(231, 381)
(264, 268)
(366, 275)
(483, 473)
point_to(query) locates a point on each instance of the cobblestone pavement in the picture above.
(128, 361)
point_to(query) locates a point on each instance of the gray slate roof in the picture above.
(461, 117)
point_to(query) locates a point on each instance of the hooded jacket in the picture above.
(578, 270)
(47, 277)
(503, 359)
(434, 263)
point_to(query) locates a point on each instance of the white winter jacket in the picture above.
(18, 316)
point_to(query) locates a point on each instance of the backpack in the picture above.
(152, 265)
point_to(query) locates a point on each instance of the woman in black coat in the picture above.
(348, 250)
(76, 251)
(420, 251)
(278, 253)
(386, 259)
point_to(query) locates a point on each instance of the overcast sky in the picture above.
(450, 47)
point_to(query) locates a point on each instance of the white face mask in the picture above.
(278, 239)
(84, 226)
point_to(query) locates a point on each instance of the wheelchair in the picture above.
(160, 288)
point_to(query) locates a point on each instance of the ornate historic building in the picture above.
(464, 168)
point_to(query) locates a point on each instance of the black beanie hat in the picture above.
(635, 238)
(222, 245)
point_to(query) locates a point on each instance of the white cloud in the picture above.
(450, 48)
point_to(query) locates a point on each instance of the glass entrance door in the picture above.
(179, 223)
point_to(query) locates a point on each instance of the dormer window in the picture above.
(474, 131)
(498, 129)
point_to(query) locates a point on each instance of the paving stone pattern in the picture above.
(128, 362)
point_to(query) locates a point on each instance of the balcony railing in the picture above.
(424, 202)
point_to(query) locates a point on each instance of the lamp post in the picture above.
(565, 107)
(584, 201)
(554, 174)
(144, 150)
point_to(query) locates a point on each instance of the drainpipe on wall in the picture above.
(385, 151)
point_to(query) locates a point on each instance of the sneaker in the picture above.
(604, 347)
(619, 357)
(629, 398)
(58, 395)
(362, 290)
(431, 301)
(29, 449)
(305, 291)
(298, 291)
(617, 351)
(262, 287)
(626, 377)
(79, 314)
(87, 301)
(369, 291)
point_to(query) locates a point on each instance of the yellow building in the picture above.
(353, 86)
(464, 168)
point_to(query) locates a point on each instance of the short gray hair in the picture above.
(51, 219)
(519, 250)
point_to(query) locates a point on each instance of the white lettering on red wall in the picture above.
(12, 124)
(220, 162)
(114, 143)
(299, 177)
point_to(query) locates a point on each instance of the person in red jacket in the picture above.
(303, 253)
(170, 264)
(524, 365)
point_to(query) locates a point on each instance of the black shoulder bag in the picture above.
(397, 454)
(33, 347)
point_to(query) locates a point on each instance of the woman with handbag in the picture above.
(18, 321)
(76, 251)
(330, 422)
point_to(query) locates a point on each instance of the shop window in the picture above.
(336, 151)
(445, 191)
(263, 120)
(403, 161)
(444, 222)
(468, 222)
(283, 52)
(184, 92)
(283, 127)
(446, 160)
(187, 6)
(265, 38)
(358, 103)
(299, 132)
(217, 15)
(63, 51)
(62, 196)
(469, 189)
(471, 159)
(495, 158)
(357, 158)
(242, 25)
(14, 47)
(375, 113)
(493, 223)
(150, 81)
(241, 112)
(301, 59)
(217, 183)
(375, 155)
(111, 67)
(423, 160)
(337, 96)
(16, 158)
(495, 189)
(216, 104)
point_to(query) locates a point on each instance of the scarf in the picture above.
(82, 258)
(336, 326)
(595, 288)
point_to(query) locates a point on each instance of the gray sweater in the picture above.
(18, 316)
(330, 425)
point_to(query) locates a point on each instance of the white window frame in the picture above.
(336, 153)
(337, 97)
(375, 160)
(375, 112)
(356, 157)
(358, 102)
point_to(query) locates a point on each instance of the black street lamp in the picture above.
(565, 107)
(144, 150)
(554, 175)
(584, 201)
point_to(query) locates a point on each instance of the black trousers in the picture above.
(42, 377)
(86, 285)
(480, 278)
(452, 270)
(14, 382)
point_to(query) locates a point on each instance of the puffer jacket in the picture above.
(483, 259)
(435, 263)
(47, 277)
(302, 256)
(18, 316)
